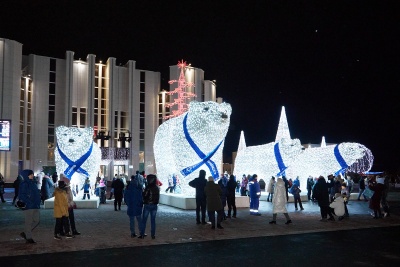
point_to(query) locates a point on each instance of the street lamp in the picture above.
(123, 138)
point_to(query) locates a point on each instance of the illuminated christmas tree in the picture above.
(180, 101)
(283, 127)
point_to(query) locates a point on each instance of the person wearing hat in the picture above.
(61, 212)
(338, 206)
(30, 196)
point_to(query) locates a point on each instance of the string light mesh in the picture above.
(283, 127)
(206, 124)
(322, 160)
(76, 143)
(262, 159)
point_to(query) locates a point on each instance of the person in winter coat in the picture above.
(30, 195)
(200, 183)
(243, 185)
(86, 189)
(151, 197)
(287, 186)
(223, 183)
(47, 188)
(170, 187)
(321, 194)
(310, 184)
(361, 189)
(16, 184)
(2, 184)
(213, 194)
(295, 190)
(254, 194)
(375, 201)
(71, 204)
(279, 202)
(118, 186)
(134, 200)
(61, 212)
(231, 196)
(270, 189)
(337, 205)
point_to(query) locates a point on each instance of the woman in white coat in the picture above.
(279, 202)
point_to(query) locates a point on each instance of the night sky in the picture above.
(334, 65)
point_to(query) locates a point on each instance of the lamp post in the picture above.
(123, 138)
(102, 136)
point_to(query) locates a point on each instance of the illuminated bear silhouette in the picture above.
(267, 160)
(192, 141)
(77, 156)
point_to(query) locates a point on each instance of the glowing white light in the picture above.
(262, 160)
(207, 125)
(323, 161)
(75, 143)
(314, 161)
(283, 127)
(323, 143)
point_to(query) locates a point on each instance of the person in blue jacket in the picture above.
(254, 194)
(134, 200)
(30, 195)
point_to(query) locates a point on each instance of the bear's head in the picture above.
(290, 149)
(209, 115)
(351, 152)
(71, 139)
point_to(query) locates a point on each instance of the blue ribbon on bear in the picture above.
(340, 160)
(75, 166)
(279, 160)
(205, 159)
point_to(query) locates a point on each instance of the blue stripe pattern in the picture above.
(340, 160)
(75, 166)
(279, 160)
(205, 159)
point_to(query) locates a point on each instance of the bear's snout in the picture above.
(224, 116)
(71, 140)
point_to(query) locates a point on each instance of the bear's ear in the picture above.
(60, 129)
(89, 130)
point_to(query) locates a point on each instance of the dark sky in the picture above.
(334, 65)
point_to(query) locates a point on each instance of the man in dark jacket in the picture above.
(30, 195)
(213, 193)
(200, 183)
(16, 184)
(321, 194)
(151, 197)
(118, 187)
(231, 196)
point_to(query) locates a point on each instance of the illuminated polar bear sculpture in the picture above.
(77, 156)
(191, 142)
(267, 160)
(332, 159)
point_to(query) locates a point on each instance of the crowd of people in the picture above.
(141, 195)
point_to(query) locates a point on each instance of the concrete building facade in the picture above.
(123, 104)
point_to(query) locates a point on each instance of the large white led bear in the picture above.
(192, 141)
(77, 156)
(332, 159)
(267, 160)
